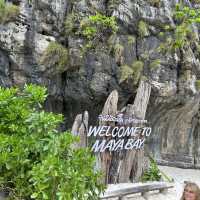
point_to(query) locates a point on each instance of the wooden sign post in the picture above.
(120, 160)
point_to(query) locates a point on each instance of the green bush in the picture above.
(153, 173)
(55, 56)
(36, 160)
(8, 12)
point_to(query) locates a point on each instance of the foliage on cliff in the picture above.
(133, 72)
(183, 33)
(36, 160)
(94, 28)
(185, 17)
(98, 25)
(8, 12)
(55, 56)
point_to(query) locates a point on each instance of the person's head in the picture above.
(191, 192)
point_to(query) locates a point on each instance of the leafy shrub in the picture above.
(55, 56)
(36, 160)
(153, 173)
(8, 12)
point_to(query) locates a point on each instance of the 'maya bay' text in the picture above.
(120, 137)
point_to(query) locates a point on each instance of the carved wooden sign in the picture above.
(119, 137)
(128, 133)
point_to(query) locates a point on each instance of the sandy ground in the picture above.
(179, 175)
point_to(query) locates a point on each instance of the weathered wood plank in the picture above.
(76, 125)
(161, 186)
(80, 128)
(104, 159)
(133, 163)
(142, 99)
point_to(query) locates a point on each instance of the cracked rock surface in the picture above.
(173, 111)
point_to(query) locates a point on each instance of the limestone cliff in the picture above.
(89, 75)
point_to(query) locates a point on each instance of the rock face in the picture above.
(173, 111)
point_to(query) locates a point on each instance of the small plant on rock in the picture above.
(118, 51)
(131, 40)
(97, 28)
(155, 64)
(55, 56)
(8, 12)
(143, 29)
(182, 35)
(126, 72)
(94, 29)
(133, 72)
(137, 67)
